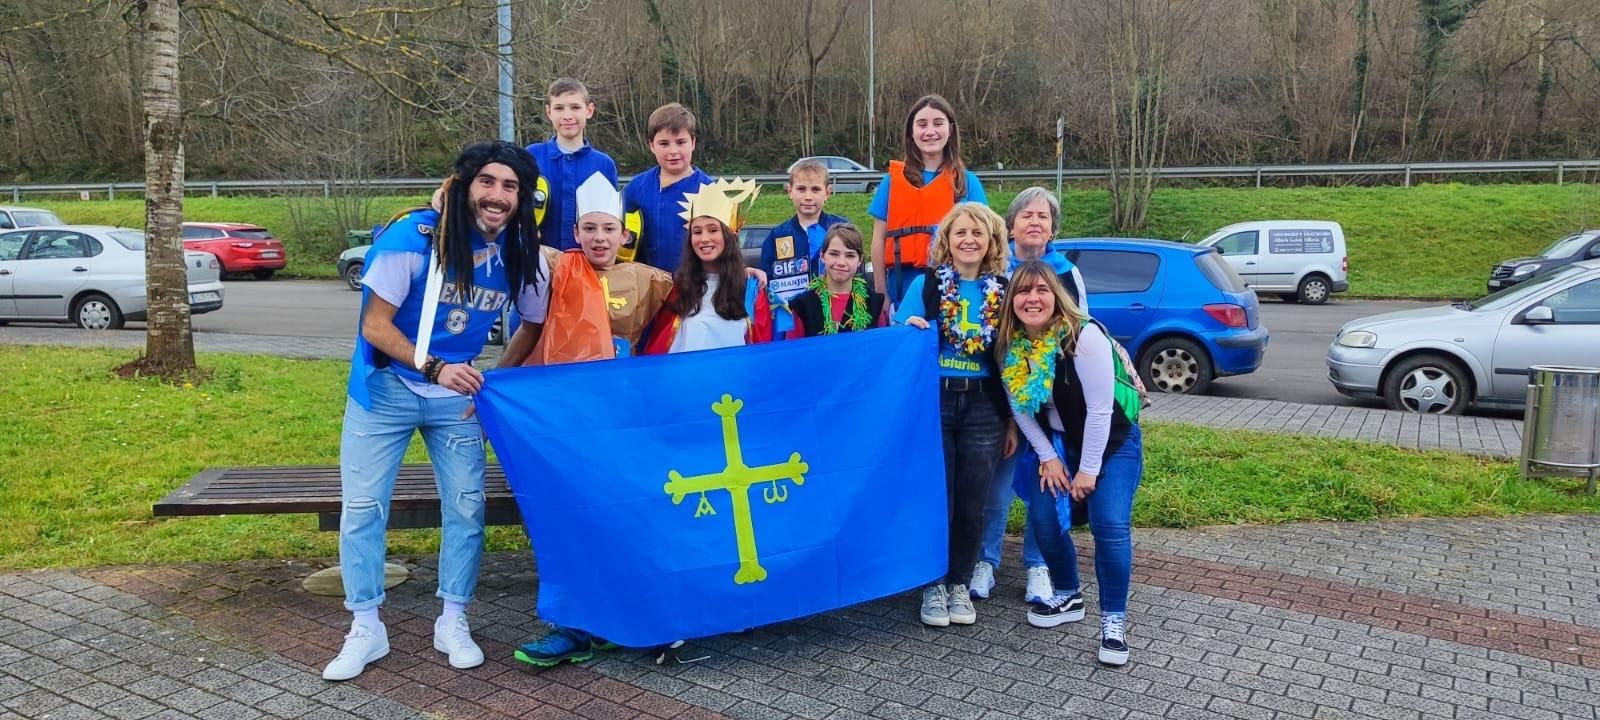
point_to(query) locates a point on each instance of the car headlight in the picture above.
(1358, 339)
(1522, 270)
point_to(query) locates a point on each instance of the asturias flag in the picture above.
(681, 496)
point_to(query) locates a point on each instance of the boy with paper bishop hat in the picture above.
(599, 307)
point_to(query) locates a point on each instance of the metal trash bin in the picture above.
(1561, 427)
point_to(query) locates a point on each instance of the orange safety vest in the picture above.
(914, 214)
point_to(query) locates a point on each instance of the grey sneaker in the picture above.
(936, 606)
(961, 610)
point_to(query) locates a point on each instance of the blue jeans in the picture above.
(974, 434)
(1110, 509)
(1022, 462)
(370, 451)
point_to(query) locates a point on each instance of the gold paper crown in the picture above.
(721, 200)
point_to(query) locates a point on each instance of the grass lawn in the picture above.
(1429, 241)
(87, 455)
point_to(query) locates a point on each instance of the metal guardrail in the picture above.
(1408, 171)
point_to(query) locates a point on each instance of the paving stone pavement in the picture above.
(1418, 619)
(1492, 437)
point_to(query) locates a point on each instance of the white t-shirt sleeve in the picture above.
(534, 302)
(390, 275)
(1098, 376)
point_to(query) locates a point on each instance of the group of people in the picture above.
(1036, 401)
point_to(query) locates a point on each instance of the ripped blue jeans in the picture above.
(370, 452)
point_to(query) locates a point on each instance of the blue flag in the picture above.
(681, 496)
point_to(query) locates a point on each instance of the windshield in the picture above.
(130, 239)
(33, 218)
(1515, 293)
(1219, 272)
(1565, 247)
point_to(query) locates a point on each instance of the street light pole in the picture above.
(872, 89)
(508, 116)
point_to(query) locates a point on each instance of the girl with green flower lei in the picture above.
(1060, 374)
(963, 294)
(838, 300)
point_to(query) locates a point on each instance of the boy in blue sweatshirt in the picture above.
(790, 253)
(652, 200)
(567, 159)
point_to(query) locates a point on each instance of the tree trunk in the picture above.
(169, 346)
(1363, 66)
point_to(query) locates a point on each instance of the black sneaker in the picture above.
(1056, 610)
(1113, 641)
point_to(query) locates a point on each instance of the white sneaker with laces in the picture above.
(1039, 587)
(454, 638)
(982, 580)
(960, 608)
(936, 606)
(365, 644)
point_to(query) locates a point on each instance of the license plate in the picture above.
(204, 297)
(1494, 283)
(269, 253)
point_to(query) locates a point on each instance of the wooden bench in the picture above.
(315, 489)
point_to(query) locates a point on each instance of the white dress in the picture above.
(706, 330)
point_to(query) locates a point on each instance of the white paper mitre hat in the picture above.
(598, 195)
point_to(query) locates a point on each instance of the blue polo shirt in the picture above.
(565, 172)
(664, 229)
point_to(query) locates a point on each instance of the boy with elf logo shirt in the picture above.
(435, 282)
(790, 254)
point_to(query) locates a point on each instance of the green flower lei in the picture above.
(855, 318)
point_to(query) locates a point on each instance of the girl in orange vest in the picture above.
(915, 193)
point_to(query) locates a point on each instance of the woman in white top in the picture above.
(704, 312)
(1072, 400)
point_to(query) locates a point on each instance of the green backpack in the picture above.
(1130, 394)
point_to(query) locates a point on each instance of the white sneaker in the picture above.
(982, 580)
(455, 639)
(935, 606)
(364, 644)
(960, 608)
(1039, 587)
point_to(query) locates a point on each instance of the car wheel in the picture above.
(97, 312)
(352, 275)
(1175, 365)
(263, 274)
(1427, 384)
(1314, 290)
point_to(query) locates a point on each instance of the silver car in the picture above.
(1440, 360)
(90, 275)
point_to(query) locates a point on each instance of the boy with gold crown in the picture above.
(599, 307)
(714, 304)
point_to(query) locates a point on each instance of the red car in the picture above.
(239, 247)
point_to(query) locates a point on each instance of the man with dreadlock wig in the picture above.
(435, 283)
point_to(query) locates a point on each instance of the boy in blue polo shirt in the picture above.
(789, 254)
(652, 199)
(567, 159)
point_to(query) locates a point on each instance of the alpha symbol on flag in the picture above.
(737, 478)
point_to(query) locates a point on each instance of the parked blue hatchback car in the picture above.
(1184, 315)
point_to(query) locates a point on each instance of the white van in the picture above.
(1298, 260)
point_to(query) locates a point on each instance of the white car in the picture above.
(91, 275)
(1297, 260)
(839, 164)
(12, 216)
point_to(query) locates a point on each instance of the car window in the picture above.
(34, 218)
(251, 234)
(200, 233)
(11, 245)
(1577, 305)
(751, 237)
(57, 244)
(1219, 272)
(1115, 271)
(1521, 291)
(1594, 252)
(130, 239)
(5, 222)
(1565, 247)
(1239, 243)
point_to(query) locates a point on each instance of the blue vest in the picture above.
(462, 323)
